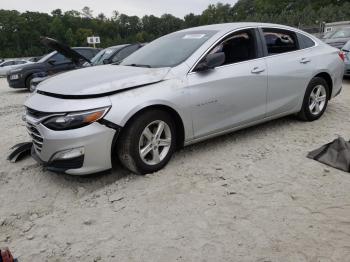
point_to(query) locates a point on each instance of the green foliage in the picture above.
(20, 32)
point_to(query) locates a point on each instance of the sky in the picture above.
(178, 8)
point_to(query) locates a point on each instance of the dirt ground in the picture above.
(248, 196)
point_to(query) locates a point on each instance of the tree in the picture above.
(87, 12)
(20, 32)
(70, 38)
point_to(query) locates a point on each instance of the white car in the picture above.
(8, 65)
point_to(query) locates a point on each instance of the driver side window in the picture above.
(60, 59)
(238, 47)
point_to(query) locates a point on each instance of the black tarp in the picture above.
(335, 154)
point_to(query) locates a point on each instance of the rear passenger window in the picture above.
(280, 41)
(305, 42)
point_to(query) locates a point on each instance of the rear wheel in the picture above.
(315, 100)
(148, 142)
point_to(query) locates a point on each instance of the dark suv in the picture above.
(64, 59)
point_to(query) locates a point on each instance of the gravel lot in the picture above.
(248, 196)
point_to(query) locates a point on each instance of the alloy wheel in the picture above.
(155, 142)
(317, 100)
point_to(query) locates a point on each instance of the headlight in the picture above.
(75, 120)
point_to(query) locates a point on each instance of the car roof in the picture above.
(232, 26)
(118, 46)
(83, 47)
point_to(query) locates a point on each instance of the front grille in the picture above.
(348, 72)
(36, 137)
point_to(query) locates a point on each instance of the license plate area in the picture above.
(14, 77)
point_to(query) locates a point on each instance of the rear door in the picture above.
(232, 94)
(290, 66)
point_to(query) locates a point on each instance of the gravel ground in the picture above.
(248, 196)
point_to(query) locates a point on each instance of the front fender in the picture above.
(171, 94)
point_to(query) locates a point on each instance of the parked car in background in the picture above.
(8, 65)
(180, 89)
(346, 50)
(35, 59)
(338, 38)
(61, 60)
(115, 54)
(110, 55)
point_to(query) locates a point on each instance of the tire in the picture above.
(28, 80)
(315, 105)
(135, 138)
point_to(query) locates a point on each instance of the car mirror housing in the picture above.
(105, 61)
(51, 61)
(211, 61)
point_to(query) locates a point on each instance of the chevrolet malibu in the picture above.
(180, 89)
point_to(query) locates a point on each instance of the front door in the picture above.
(232, 94)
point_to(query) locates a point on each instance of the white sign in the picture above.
(94, 40)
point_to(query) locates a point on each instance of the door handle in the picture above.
(258, 70)
(305, 60)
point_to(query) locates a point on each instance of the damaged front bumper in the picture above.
(81, 151)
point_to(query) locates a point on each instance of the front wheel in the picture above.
(148, 142)
(315, 100)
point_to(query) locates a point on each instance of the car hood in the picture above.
(29, 66)
(63, 49)
(100, 81)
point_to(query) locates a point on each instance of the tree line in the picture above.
(20, 32)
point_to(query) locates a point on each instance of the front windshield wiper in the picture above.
(140, 65)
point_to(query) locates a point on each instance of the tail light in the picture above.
(342, 55)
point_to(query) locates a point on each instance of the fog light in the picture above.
(69, 154)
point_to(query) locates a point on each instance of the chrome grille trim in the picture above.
(36, 136)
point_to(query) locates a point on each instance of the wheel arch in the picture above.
(180, 129)
(327, 77)
(30, 74)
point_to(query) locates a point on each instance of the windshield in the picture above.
(170, 50)
(45, 57)
(347, 46)
(343, 33)
(105, 54)
(327, 35)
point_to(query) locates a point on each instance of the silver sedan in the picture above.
(180, 89)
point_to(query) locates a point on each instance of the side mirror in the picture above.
(105, 61)
(211, 61)
(52, 61)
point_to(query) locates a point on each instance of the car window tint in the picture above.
(280, 41)
(305, 42)
(125, 52)
(238, 47)
(20, 62)
(8, 63)
(87, 53)
(60, 59)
